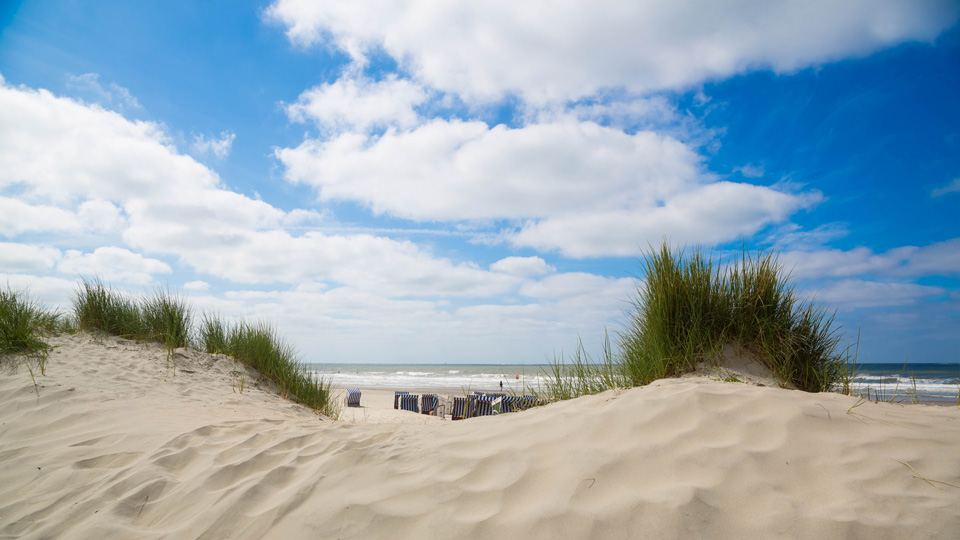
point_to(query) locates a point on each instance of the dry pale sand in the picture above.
(112, 444)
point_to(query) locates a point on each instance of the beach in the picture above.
(120, 440)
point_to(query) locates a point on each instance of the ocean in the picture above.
(901, 382)
(928, 382)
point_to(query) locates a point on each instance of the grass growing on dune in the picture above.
(258, 346)
(23, 324)
(166, 318)
(98, 307)
(689, 306)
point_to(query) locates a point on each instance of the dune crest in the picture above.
(112, 444)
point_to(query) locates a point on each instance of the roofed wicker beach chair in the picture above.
(408, 402)
(510, 404)
(353, 397)
(444, 406)
(459, 408)
(396, 398)
(428, 403)
(483, 406)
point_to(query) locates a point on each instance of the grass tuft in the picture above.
(23, 324)
(166, 318)
(257, 345)
(689, 306)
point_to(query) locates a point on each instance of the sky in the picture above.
(477, 182)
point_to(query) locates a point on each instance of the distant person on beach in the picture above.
(501, 386)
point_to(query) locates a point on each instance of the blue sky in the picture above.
(401, 181)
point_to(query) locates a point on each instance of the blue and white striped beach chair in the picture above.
(396, 398)
(408, 402)
(484, 406)
(510, 404)
(428, 403)
(353, 397)
(459, 408)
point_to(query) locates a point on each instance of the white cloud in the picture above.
(523, 266)
(941, 258)
(547, 52)
(18, 217)
(614, 291)
(196, 285)
(62, 151)
(218, 147)
(100, 216)
(852, 294)
(52, 292)
(27, 258)
(112, 264)
(709, 214)
(751, 171)
(113, 95)
(584, 189)
(351, 104)
(952, 187)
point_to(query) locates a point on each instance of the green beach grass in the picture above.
(24, 323)
(689, 307)
(166, 318)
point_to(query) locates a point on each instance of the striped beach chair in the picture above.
(428, 403)
(459, 408)
(483, 406)
(353, 397)
(510, 404)
(396, 398)
(408, 402)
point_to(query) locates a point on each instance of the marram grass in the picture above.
(689, 306)
(258, 346)
(24, 323)
(166, 318)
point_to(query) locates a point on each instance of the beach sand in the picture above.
(113, 444)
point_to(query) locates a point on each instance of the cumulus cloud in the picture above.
(100, 216)
(196, 285)
(941, 258)
(523, 266)
(18, 217)
(852, 294)
(218, 147)
(64, 152)
(545, 52)
(122, 174)
(27, 257)
(580, 188)
(359, 104)
(112, 264)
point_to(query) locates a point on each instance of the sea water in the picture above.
(468, 377)
(903, 382)
(927, 382)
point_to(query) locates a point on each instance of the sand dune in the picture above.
(114, 445)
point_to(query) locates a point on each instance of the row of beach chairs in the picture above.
(459, 408)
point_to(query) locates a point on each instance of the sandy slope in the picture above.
(116, 446)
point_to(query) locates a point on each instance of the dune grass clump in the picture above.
(689, 307)
(166, 318)
(98, 307)
(23, 324)
(583, 375)
(163, 318)
(257, 345)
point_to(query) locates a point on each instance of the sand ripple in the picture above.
(117, 445)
